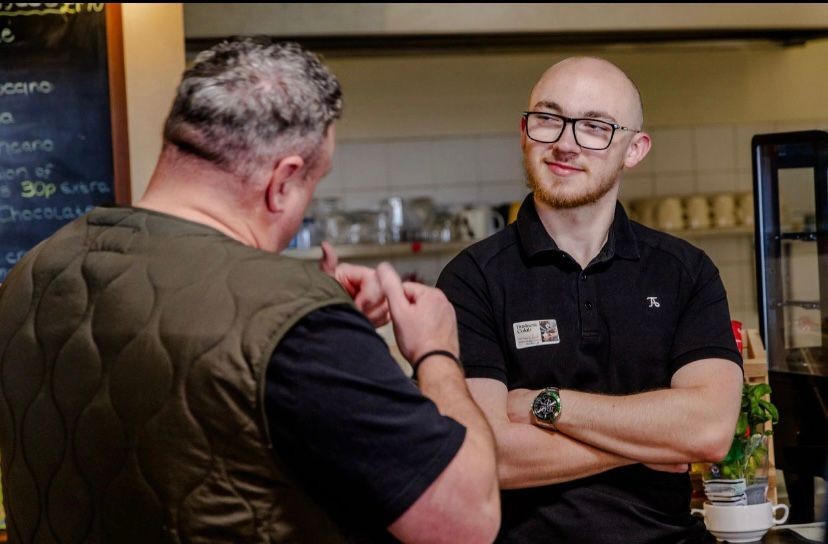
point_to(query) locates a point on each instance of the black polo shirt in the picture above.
(529, 316)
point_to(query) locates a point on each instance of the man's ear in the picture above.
(522, 131)
(285, 177)
(638, 149)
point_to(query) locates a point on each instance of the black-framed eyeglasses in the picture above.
(547, 128)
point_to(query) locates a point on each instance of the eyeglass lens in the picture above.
(589, 133)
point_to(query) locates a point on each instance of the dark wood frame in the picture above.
(117, 104)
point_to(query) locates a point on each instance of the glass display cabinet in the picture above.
(790, 182)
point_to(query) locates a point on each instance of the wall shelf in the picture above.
(715, 232)
(412, 249)
(799, 236)
(381, 251)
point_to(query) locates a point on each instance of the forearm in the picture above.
(693, 420)
(528, 456)
(665, 426)
(440, 380)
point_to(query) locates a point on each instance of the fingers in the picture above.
(370, 298)
(350, 277)
(363, 284)
(378, 316)
(369, 293)
(414, 290)
(392, 286)
(329, 259)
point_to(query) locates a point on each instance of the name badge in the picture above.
(536, 333)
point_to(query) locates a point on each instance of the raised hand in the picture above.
(423, 317)
(360, 282)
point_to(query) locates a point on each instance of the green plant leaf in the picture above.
(759, 390)
(741, 424)
(770, 410)
(746, 454)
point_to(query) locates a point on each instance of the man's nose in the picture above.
(567, 141)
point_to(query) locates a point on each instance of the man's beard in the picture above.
(558, 200)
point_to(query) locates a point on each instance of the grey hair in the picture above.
(247, 102)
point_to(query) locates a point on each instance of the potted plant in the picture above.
(748, 455)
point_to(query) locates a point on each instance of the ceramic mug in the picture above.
(746, 523)
(724, 210)
(698, 212)
(670, 214)
(645, 211)
(744, 209)
(480, 222)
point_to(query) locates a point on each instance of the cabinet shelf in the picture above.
(718, 232)
(410, 249)
(800, 236)
(804, 304)
(380, 251)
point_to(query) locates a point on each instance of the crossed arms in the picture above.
(691, 421)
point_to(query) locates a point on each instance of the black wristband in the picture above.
(416, 364)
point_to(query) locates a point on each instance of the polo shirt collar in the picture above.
(534, 239)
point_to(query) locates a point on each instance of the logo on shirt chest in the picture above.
(536, 333)
(653, 302)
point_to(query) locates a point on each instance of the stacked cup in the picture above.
(699, 211)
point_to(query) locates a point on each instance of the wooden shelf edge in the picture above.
(374, 251)
(719, 232)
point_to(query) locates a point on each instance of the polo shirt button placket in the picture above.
(589, 320)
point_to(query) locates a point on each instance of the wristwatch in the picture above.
(546, 408)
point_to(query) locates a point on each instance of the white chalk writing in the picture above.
(8, 88)
(11, 174)
(26, 146)
(13, 10)
(9, 214)
(11, 257)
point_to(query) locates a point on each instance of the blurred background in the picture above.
(433, 95)
(428, 157)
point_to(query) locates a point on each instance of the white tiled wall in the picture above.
(462, 170)
(487, 169)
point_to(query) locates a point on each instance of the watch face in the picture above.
(546, 407)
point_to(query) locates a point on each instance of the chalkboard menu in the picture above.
(59, 154)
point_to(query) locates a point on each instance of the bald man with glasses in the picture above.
(600, 350)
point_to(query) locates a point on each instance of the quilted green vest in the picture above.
(133, 351)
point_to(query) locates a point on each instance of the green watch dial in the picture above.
(547, 405)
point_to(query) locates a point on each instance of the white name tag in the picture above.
(536, 333)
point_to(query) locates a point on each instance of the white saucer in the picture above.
(739, 536)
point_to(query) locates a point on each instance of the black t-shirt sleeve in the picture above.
(704, 329)
(465, 286)
(349, 423)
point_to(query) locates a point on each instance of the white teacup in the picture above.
(744, 209)
(698, 212)
(670, 214)
(724, 210)
(746, 523)
(645, 211)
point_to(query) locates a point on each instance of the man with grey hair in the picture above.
(638, 374)
(166, 375)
